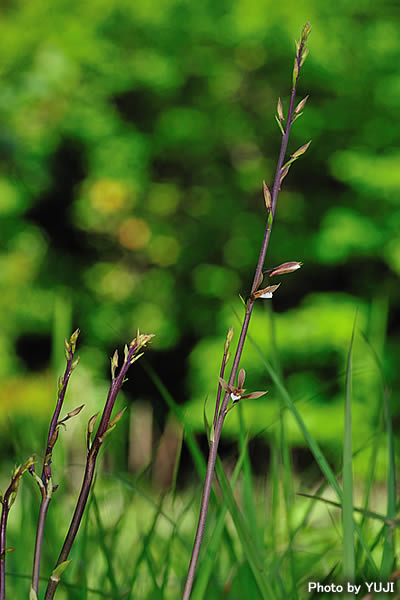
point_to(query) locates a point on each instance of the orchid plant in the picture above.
(236, 393)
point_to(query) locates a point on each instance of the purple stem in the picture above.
(90, 468)
(221, 374)
(6, 503)
(46, 470)
(223, 411)
(3, 527)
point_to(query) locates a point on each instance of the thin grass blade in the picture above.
(348, 552)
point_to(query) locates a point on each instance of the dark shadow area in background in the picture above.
(51, 211)
(35, 350)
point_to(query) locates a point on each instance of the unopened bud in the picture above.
(73, 339)
(228, 341)
(92, 422)
(53, 438)
(301, 105)
(114, 364)
(295, 71)
(267, 196)
(74, 412)
(301, 150)
(304, 55)
(117, 417)
(284, 172)
(279, 110)
(287, 267)
(68, 350)
(306, 32)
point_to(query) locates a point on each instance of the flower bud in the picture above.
(117, 417)
(295, 71)
(74, 412)
(279, 110)
(306, 32)
(301, 150)
(73, 338)
(267, 196)
(301, 105)
(287, 267)
(114, 364)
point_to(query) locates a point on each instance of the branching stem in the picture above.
(104, 428)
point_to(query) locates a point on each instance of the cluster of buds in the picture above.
(296, 113)
(9, 496)
(131, 352)
(301, 51)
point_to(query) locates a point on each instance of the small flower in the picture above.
(238, 393)
(266, 292)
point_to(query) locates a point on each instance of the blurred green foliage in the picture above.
(133, 146)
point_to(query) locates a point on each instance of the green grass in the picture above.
(263, 539)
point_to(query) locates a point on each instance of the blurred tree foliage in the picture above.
(133, 146)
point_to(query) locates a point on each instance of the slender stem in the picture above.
(46, 483)
(75, 522)
(3, 527)
(44, 505)
(46, 471)
(7, 501)
(214, 443)
(221, 374)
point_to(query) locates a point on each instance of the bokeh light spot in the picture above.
(111, 281)
(108, 195)
(134, 233)
(151, 318)
(10, 199)
(238, 252)
(213, 280)
(163, 198)
(164, 250)
(250, 55)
